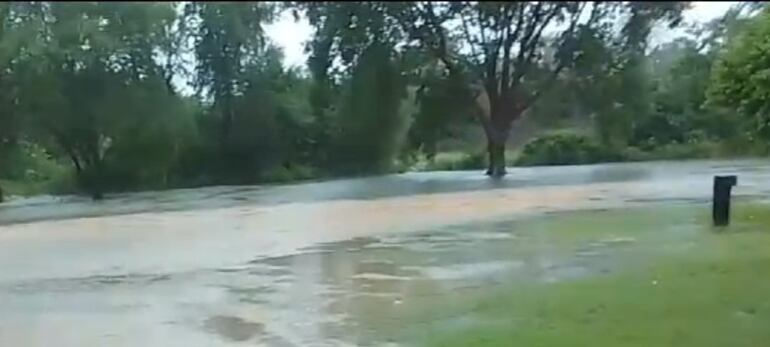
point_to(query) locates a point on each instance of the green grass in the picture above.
(57, 185)
(682, 283)
(21, 188)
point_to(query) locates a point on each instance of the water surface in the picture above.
(327, 263)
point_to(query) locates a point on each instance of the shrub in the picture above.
(457, 161)
(295, 172)
(565, 149)
(29, 162)
(692, 150)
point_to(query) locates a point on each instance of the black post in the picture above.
(721, 199)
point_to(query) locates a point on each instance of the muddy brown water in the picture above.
(313, 264)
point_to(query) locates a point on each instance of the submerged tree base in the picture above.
(499, 173)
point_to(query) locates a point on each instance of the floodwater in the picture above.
(333, 263)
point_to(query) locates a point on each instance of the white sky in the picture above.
(291, 35)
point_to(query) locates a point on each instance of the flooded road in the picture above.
(333, 263)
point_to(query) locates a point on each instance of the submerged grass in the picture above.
(681, 283)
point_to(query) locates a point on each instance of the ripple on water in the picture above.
(379, 277)
(96, 282)
(354, 244)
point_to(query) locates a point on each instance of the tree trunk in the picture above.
(88, 178)
(430, 149)
(88, 182)
(496, 167)
(496, 139)
(97, 186)
(227, 119)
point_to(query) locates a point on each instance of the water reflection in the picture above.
(359, 292)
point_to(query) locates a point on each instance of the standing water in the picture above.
(353, 262)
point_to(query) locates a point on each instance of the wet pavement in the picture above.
(335, 263)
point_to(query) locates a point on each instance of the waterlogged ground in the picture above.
(648, 277)
(605, 255)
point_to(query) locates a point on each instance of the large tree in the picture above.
(510, 53)
(228, 40)
(517, 51)
(741, 76)
(251, 111)
(360, 69)
(94, 89)
(15, 33)
(370, 126)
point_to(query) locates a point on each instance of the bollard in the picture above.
(721, 199)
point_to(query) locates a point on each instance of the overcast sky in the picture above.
(292, 35)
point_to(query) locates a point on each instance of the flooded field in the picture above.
(547, 256)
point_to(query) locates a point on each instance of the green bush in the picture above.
(676, 151)
(697, 150)
(27, 169)
(457, 161)
(29, 162)
(565, 149)
(295, 172)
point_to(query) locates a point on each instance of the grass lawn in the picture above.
(682, 283)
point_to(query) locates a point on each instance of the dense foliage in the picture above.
(566, 148)
(102, 96)
(741, 78)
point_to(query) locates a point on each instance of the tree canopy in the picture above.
(93, 88)
(741, 78)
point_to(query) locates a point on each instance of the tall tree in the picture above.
(17, 35)
(510, 54)
(741, 77)
(516, 51)
(228, 39)
(92, 81)
(8, 119)
(370, 126)
(350, 35)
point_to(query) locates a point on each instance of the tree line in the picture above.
(91, 91)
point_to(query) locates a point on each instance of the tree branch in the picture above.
(65, 145)
(507, 46)
(527, 53)
(569, 33)
(532, 48)
(524, 42)
(471, 41)
(540, 91)
(438, 31)
(595, 9)
(491, 65)
(482, 27)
